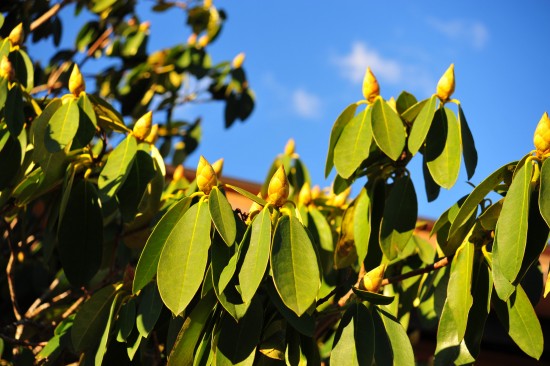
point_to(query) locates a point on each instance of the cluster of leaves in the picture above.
(144, 271)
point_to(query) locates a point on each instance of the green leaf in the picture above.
(62, 127)
(126, 320)
(405, 101)
(388, 129)
(132, 345)
(134, 187)
(91, 319)
(294, 265)
(224, 263)
(14, 110)
(150, 306)
(3, 91)
(165, 230)
(108, 117)
(87, 108)
(488, 219)
(372, 297)
(431, 187)
(235, 343)
(520, 321)
(102, 348)
(459, 295)
(222, 216)
(443, 148)
(322, 228)
(468, 146)
(10, 160)
(393, 346)
(256, 257)
(353, 146)
(248, 195)
(471, 203)
(411, 112)
(342, 120)
(447, 349)
(118, 167)
(354, 340)
(98, 6)
(511, 231)
(184, 257)
(22, 64)
(399, 221)
(503, 287)
(80, 234)
(421, 125)
(183, 351)
(544, 191)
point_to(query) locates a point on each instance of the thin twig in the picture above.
(73, 307)
(47, 15)
(41, 299)
(21, 342)
(9, 274)
(99, 43)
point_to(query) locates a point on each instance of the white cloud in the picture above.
(306, 104)
(474, 32)
(354, 64)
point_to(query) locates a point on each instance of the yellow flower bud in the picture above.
(203, 41)
(371, 89)
(17, 35)
(446, 85)
(278, 189)
(152, 138)
(238, 60)
(207, 3)
(218, 167)
(206, 177)
(373, 279)
(77, 84)
(315, 192)
(144, 27)
(290, 147)
(6, 69)
(392, 104)
(305, 194)
(542, 135)
(178, 174)
(192, 40)
(143, 126)
(341, 199)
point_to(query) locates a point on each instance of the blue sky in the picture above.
(305, 60)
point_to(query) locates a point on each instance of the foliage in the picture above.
(113, 264)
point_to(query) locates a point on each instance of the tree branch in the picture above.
(47, 15)
(20, 342)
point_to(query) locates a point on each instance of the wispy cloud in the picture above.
(473, 32)
(306, 104)
(354, 64)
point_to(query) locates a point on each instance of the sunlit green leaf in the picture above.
(222, 216)
(342, 120)
(118, 165)
(148, 312)
(405, 101)
(248, 195)
(388, 129)
(126, 320)
(393, 346)
(183, 260)
(102, 348)
(257, 256)
(165, 229)
(62, 127)
(421, 125)
(353, 145)
(544, 191)
(372, 297)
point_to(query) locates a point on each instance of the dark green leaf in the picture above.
(468, 146)
(405, 101)
(294, 265)
(544, 192)
(62, 127)
(102, 348)
(372, 297)
(511, 231)
(183, 260)
(126, 320)
(342, 120)
(421, 125)
(399, 221)
(257, 256)
(91, 319)
(393, 346)
(388, 129)
(165, 230)
(443, 148)
(23, 67)
(150, 306)
(322, 228)
(431, 187)
(10, 160)
(14, 110)
(183, 351)
(222, 216)
(355, 339)
(80, 234)
(353, 145)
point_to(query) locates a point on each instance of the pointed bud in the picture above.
(305, 194)
(178, 174)
(17, 35)
(6, 69)
(207, 3)
(143, 126)
(77, 84)
(152, 138)
(372, 281)
(206, 177)
(315, 192)
(218, 167)
(392, 104)
(371, 89)
(446, 85)
(278, 189)
(542, 135)
(238, 60)
(341, 198)
(290, 147)
(144, 27)
(203, 41)
(192, 40)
